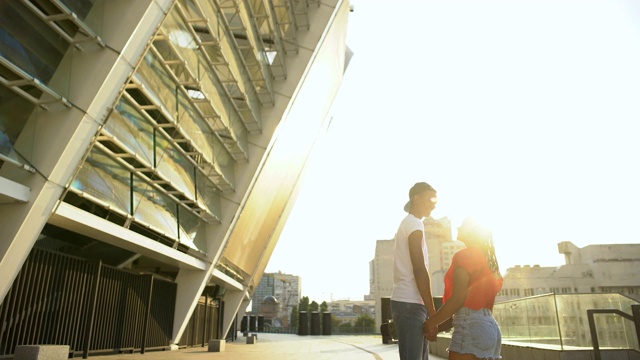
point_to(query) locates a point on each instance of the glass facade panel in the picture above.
(41, 56)
(36, 49)
(158, 84)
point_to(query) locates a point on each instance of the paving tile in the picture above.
(284, 347)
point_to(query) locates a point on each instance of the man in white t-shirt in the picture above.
(411, 299)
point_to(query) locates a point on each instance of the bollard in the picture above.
(326, 323)
(303, 323)
(41, 352)
(216, 345)
(315, 323)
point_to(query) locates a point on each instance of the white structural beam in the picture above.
(12, 192)
(79, 221)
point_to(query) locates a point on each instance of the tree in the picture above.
(324, 307)
(335, 322)
(304, 303)
(345, 328)
(364, 324)
(313, 306)
(294, 317)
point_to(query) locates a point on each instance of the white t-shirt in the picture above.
(404, 283)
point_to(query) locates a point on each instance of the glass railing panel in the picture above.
(181, 38)
(128, 125)
(613, 330)
(37, 53)
(159, 85)
(238, 128)
(36, 49)
(155, 209)
(163, 91)
(192, 230)
(223, 106)
(175, 167)
(80, 7)
(531, 320)
(572, 316)
(194, 126)
(233, 56)
(222, 160)
(561, 321)
(208, 195)
(104, 179)
(224, 163)
(543, 323)
(40, 49)
(7, 151)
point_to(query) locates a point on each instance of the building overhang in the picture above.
(77, 220)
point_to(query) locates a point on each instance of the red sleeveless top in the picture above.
(483, 283)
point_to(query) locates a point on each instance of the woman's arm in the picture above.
(460, 289)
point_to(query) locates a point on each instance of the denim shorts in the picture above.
(476, 332)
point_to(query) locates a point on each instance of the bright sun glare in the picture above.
(522, 113)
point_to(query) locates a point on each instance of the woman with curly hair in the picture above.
(471, 285)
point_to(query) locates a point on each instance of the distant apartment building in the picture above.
(441, 248)
(287, 291)
(611, 268)
(381, 275)
(358, 307)
(349, 310)
(372, 283)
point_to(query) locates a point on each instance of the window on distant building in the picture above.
(528, 292)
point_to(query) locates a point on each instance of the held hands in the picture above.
(430, 330)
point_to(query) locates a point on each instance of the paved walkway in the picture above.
(283, 347)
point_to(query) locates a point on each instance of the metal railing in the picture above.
(203, 324)
(92, 307)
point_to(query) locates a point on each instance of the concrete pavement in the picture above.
(284, 347)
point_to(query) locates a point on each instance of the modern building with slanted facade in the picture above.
(150, 154)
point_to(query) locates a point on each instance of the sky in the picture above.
(524, 114)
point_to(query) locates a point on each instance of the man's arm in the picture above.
(420, 271)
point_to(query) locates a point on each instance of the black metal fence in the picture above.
(60, 299)
(203, 325)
